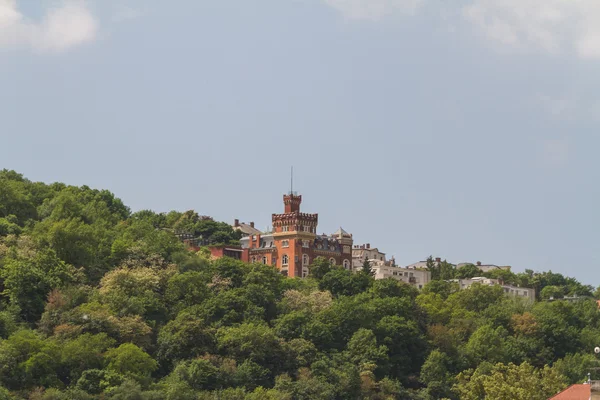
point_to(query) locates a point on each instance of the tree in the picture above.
(518, 382)
(487, 344)
(319, 268)
(131, 361)
(27, 281)
(552, 292)
(363, 349)
(83, 353)
(252, 342)
(341, 282)
(366, 268)
(184, 337)
(436, 376)
(467, 272)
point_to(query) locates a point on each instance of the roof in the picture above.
(342, 232)
(579, 391)
(247, 229)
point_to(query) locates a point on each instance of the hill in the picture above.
(97, 302)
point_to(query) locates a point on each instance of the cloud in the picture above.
(64, 26)
(373, 9)
(554, 26)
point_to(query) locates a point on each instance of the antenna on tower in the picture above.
(292, 180)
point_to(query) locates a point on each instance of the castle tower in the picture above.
(294, 234)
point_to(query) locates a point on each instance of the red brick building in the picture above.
(294, 244)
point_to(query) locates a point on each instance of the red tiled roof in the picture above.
(574, 392)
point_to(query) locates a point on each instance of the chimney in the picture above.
(236, 222)
(438, 259)
(251, 224)
(368, 245)
(479, 263)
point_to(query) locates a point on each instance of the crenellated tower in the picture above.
(294, 234)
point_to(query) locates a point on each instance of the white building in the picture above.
(417, 278)
(508, 289)
(363, 252)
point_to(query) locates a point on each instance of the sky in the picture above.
(466, 130)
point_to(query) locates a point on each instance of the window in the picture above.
(332, 261)
(285, 228)
(305, 259)
(285, 243)
(304, 274)
(306, 228)
(265, 260)
(284, 260)
(306, 244)
(346, 264)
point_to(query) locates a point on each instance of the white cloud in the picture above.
(64, 26)
(554, 26)
(373, 9)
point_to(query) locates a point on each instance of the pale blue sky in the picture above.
(469, 133)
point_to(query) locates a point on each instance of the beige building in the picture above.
(363, 252)
(508, 289)
(417, 278)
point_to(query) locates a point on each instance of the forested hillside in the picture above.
(97, 302)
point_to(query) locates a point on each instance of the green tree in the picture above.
(552, 292)
(500, 381)
(319, 268)
(366, 268)
(129, 360)
(467, 272)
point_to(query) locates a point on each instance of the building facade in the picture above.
(511, 290)
(415, 277)
(294, 243)
(361, 253)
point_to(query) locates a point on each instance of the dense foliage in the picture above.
(100, 303)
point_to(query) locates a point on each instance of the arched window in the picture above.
(284, 260)
(346, 264)
(305, 260)
(265, 260)
(332, 261)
